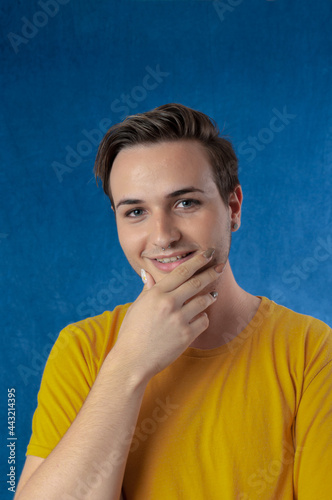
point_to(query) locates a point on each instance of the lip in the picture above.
(169, 266)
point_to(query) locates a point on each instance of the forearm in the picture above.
(90, 459)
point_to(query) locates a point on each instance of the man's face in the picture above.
(164, 194)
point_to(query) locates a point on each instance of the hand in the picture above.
(166, 317)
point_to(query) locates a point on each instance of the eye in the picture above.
(136, 212)
(188, 203)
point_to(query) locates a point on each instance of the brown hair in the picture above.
(170, 122)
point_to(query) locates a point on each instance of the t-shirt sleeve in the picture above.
(313, 435)
(69, 374)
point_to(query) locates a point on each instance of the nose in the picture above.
(164, 230)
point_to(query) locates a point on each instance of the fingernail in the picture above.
(143, 276)
(219, 269)
(209, 252)
(214, 294)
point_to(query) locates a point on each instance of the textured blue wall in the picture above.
(70, 69)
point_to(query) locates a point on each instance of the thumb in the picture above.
(147, 279)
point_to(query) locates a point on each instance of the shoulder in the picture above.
(101, 323)
(107, 322)
(293, 322)
(301, 337)
(89, 339)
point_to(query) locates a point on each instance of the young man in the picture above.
(198, 390)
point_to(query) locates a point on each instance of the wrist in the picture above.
(132, 373)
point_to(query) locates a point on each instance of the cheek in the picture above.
(213, 231)
(131, 245)
(208, 229)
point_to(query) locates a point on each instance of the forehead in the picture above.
(161, 166)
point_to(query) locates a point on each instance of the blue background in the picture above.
(69, 71)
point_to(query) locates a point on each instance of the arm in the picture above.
(31, 465)
(313, 438)
(90, 459)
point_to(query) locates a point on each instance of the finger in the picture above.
(198, 305)
(199, 325)
(197, 283)
(184, 271)
(147, 279)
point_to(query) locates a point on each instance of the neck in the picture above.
(232, 311)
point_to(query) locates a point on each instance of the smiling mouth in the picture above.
(173, 259)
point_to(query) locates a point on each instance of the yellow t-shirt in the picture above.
(248, 420)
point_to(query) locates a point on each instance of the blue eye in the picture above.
(188, 203)
(136, 212)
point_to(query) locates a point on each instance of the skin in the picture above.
(151, 174)
(175, 309)
(104, 426)
(150, 217)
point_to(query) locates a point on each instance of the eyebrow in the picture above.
(174, 194)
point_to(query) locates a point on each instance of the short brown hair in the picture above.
(170, 122)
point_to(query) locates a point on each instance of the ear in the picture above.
(234, 203)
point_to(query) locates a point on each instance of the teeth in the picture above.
(171, 259)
